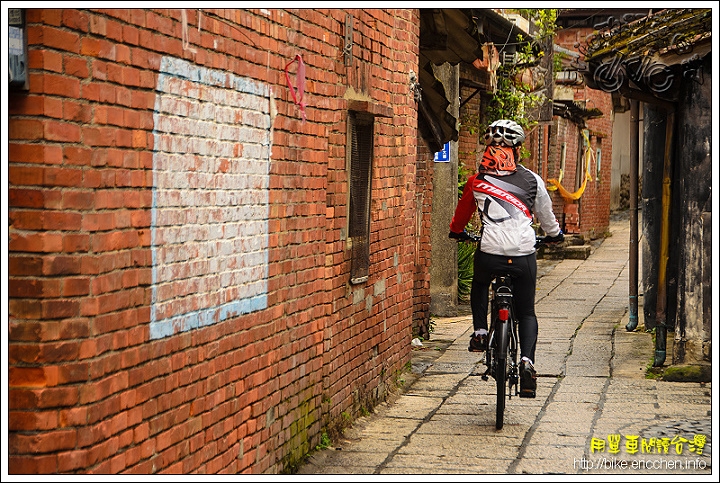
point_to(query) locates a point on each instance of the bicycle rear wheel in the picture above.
(501, 358)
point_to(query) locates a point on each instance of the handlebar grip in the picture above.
(549, 240)
(464, 236)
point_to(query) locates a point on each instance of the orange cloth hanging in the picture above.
(577, 194)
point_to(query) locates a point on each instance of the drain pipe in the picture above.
(661, 327)
(634, 162)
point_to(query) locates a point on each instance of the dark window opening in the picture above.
(360, 140)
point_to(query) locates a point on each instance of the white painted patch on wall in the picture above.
(210, 210)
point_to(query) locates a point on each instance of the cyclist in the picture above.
(506, 194)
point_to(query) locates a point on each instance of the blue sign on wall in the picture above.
(444, 155)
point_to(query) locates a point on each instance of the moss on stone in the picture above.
(688, 373)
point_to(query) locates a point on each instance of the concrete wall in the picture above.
(179, 296)
(443, 266)
(691, 219)
(621, 156)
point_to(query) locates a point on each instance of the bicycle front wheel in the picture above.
(503, 336)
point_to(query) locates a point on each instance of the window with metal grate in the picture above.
(360, 147)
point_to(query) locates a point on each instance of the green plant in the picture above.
(471, 121)
(652, 372)
(400, 374)
(466, 251)
(466, 257)
(514, 99)
(544, 19)
(463, 175)
(325, 442)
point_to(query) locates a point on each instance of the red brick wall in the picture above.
(593, 207)
(423, 203)
(473, 116)
(144, 160)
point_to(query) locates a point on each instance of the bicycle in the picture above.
(502, 352)
(501, 356)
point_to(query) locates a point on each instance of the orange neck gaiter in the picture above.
(500, 158)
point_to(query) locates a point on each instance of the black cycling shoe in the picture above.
(478, 343)
(528, 379)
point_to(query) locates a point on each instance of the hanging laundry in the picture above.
(568, 196)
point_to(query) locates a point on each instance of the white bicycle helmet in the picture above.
(504, 131)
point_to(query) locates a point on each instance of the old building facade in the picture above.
(213, 241)
(661, 62)
(220, 223)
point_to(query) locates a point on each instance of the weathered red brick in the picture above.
(74, 155)
(61, 85)
(75, 243)
(69, 461)
(60, 39)
(45, 442)
(62, 177)
(77, 286)
(24, 309)
(28, 465)
(61, 220)
(75, 111)
(27, 220)
(61, 265)
(110, 202)
(75, 20)
(73, 417)
(25, 198)
(32, 420)
(60, 309)
(25, 175)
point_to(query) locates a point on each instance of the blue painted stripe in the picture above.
(177, 68)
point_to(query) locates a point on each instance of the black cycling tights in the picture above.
(523, 270)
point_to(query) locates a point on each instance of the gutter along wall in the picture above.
(179, 260)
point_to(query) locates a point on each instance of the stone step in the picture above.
(574, 252)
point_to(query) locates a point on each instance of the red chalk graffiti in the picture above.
(299, 92)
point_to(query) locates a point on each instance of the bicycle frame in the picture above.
(501, 356)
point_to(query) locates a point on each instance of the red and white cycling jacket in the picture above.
(506, 205)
